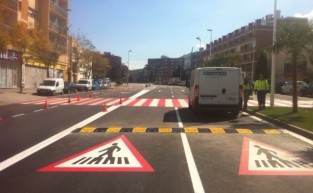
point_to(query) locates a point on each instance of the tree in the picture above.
(22, 40)
(223, 60)
(43, 50)
(294, 39)
(99, 65)
(83, 55)
(261, 65)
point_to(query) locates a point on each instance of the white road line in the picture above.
(183, 103)
(169, 103)
(38, 110)
(139, 103)
(298, 136)
(194, 174)
(18, 115)
(22, 155)
(154, 103)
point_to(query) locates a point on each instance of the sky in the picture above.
(152, 28)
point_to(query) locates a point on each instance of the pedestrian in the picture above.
(261, 87)
(247, 92)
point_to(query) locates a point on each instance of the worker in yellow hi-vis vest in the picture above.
(261, 87)
(247, 91)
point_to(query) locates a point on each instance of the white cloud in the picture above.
(308, 15)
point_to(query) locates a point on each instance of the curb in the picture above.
(293, 128)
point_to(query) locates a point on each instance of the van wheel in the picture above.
(54, 93)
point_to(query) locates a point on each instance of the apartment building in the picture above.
(49, 16)
(249, 41)
(163, 68)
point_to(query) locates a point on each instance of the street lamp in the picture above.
(200, 42)
(273, 57)
(128, 66)
(210, 30)
(200, 55)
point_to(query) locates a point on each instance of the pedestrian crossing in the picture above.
(146, 102)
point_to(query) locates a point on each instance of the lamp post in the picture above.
(273, 56)
(200, 55)
(200, 42)
(128, 66)
(211, 31)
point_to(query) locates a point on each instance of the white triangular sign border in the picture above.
(126, 159)
(262, 159)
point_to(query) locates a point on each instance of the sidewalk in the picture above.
(13, 95)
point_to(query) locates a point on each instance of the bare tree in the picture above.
(22, 39)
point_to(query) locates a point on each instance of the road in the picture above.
(132, 140)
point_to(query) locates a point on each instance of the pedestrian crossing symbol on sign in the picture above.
(116, 155)
(261, 159)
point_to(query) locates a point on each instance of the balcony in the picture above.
(57, 9)
(12, 4)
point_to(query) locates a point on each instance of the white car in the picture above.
(287, 87)
(84, 84)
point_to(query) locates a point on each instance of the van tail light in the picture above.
(240, 95)
(196, 94)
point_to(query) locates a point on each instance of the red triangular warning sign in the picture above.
(262, 159)
(116, 155)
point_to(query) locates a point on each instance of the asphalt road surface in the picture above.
(134, 140)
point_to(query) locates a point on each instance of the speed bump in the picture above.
(213, 130)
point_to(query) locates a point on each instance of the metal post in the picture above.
(128, 67)
(273, 57)
(210, 30)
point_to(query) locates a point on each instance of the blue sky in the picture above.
(151, 28)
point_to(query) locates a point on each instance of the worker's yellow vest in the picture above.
(261, 85)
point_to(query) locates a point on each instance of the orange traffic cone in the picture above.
(69, 100)
(105, 107)
(78, 98)
(121, 101)
(90, 95)
(46, 105)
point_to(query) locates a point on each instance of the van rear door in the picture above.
(219, 86)
(208, 86)
(229, 84)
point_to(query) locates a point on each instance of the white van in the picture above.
(51, 86)
(216, 89)
(84, 84)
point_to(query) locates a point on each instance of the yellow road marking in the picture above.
(139, 130)
(113, 129)
(244, 131)
(271, 131)
(87, 129)
(165, 130)
(191, 130)
(217, 130)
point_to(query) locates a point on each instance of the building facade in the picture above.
(49, 16)
(249, 41)
(163, 68)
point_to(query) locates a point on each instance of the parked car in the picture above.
(106, 83)
(51, 86)
(278, 85)
(307, 90)
(70, 87)
(95, 85)
(287, 87)
(84, 84)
